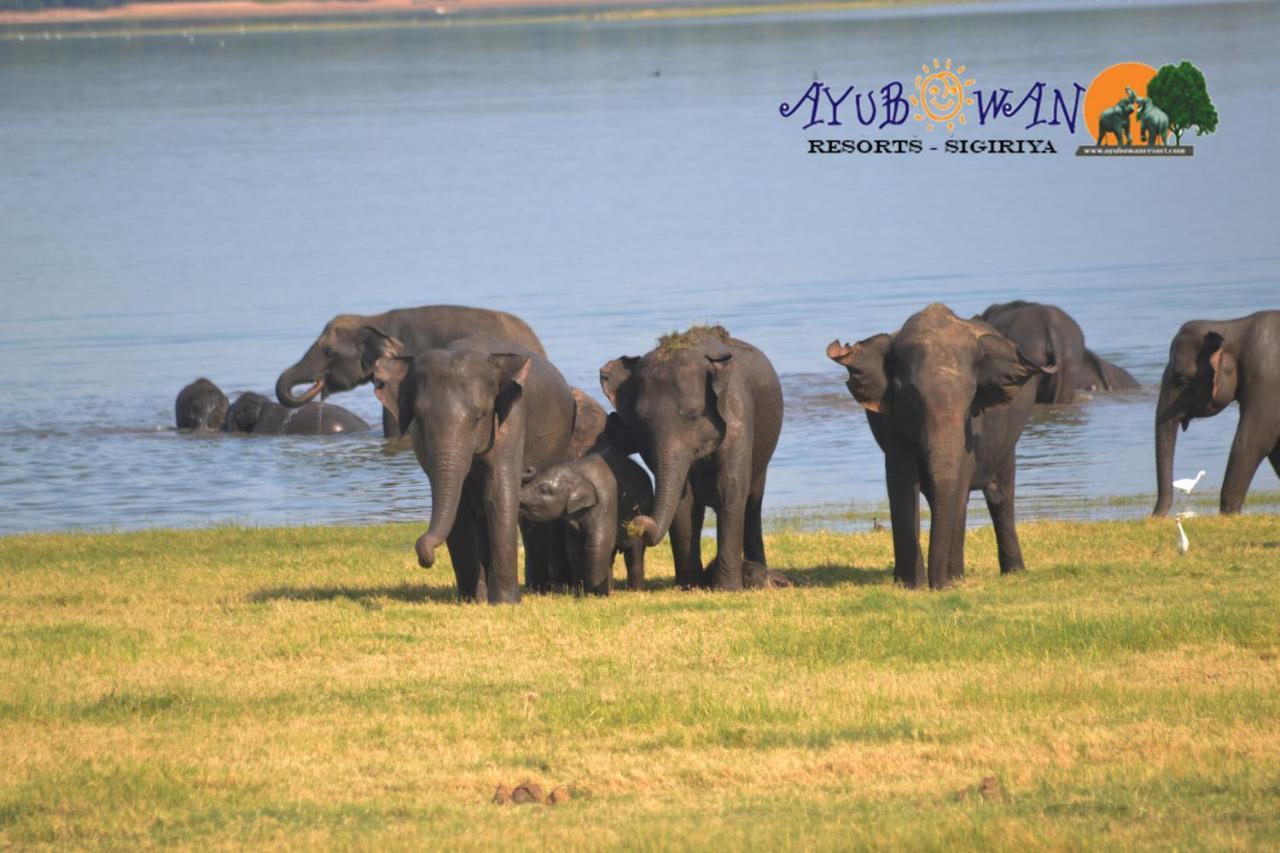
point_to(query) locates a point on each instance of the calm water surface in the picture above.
(174, 209)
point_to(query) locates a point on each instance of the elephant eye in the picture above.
(690, 416)
(544, 488)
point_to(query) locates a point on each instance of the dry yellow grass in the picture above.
(305, 687)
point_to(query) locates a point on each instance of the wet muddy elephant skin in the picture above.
(596, 497)
(203, 406)
(1211, 363)
(1048, 335)
(479, 412)
(704, 410)
(337, 360)
(947, 400)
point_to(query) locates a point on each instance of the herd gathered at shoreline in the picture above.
(511, 450)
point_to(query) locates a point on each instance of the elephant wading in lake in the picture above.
(946, 399)
(202, 406)
(338, 360)
(595, 497)
(480, 412)
(1047, 335)
(1211, 363)
(704, 410)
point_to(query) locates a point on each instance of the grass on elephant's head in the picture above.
(313, 686)
(675, 341)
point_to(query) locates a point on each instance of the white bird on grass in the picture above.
(1183, 543)
(1186, 484)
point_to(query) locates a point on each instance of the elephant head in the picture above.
(1199, 381)
(200, 406)
(928, 383)
(337, 361)
(675, 406)
(556, 492)
(246, 412)
(456, 403)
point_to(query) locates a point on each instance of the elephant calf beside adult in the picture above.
(1048, 335)
(202, 406)
(704, 410)
(947, 400)
(1211, 363)
(338, 359)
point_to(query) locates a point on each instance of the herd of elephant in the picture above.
(512, 451)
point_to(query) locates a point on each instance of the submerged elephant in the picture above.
(480, 411)
(337, 361)
(1115, 121)
(596, 497)
(1211, 363)
(202, 406)
(704, 410)
(1048, 335)
(947, 400)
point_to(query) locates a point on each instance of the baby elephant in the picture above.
(596, 497)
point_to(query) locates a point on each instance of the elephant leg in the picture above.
(903, 480)
(733, 488)
(686, 540)
(537, 566)
(564, 574)
(390, 429)
(501, 512)
(999, 495)
(633, 556)
(1275, 459)
(597, 559)
(1251, 445)
(753, 529)
(465, 554)
(955, 563)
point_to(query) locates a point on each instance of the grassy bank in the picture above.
(313, 687)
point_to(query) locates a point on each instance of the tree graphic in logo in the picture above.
(940, 95)
(1179, 91)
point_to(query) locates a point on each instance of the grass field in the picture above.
(313, 687)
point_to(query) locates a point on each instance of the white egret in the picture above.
(1183, 543)
(1187, 484)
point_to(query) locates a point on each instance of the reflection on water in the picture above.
(178, 209)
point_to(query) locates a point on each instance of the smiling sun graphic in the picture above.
(940, 95)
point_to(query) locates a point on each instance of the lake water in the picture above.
(177, 208)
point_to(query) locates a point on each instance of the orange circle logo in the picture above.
(1108, 90)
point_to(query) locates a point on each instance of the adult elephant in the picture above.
(704, 410)
(1211, 363)
(1048, 335)
(480, 411)
(337, 360)
(203, 406)
(947, 400)
(1115, 121)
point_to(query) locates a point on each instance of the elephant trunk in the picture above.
(671, 475)
(1166, 441)
(447, 470)
(310, 368)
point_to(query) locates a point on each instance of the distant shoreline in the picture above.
(182, 16)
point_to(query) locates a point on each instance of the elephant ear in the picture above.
(1222, 368)
(619, 436)
(375, 344)
(581, 497)
(866, 362)
(512, 371)
(614, 373)
(721, 365)
(394, 389)
(1001, 370)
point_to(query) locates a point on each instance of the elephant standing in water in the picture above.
(202, 406)
(1211, 363)
(1048, 335)
(704, 410)
(338, 361)
(947, 400)
(480, 412)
